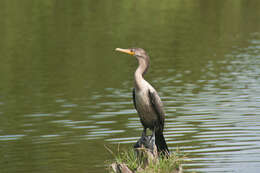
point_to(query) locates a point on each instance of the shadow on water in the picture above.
(64, 92)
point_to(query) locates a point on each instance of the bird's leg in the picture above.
(152, 141)
(152, 138)
(144, 133)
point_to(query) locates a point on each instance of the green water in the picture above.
(65, 92)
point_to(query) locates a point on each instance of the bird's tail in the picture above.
(161, 143)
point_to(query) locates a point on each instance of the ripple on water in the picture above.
(11, 137)
(123, 140)
(105, 122)
(50, 136)
(39, 115)
(69, 105)
(111, 114)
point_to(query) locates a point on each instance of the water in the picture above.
(65, 92)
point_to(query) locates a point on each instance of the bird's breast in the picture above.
(144, 108)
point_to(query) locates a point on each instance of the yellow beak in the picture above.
(128, 51)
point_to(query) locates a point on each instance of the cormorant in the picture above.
(147, 101)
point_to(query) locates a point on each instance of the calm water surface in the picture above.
(65, 93)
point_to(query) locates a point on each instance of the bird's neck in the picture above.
(140, 71)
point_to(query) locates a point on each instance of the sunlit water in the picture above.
(65, 93)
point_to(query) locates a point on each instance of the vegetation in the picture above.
(143, 161)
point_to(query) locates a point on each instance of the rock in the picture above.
(120, 168)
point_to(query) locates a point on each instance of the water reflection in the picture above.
(64, 93)
(215, 119)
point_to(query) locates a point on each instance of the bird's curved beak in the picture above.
(128, 51)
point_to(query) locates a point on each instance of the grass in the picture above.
(142, 163)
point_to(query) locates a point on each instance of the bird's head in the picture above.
(139, 53)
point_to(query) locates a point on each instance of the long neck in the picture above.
(140, 71)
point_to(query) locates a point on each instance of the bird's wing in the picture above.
(157, 106)
(134, 98)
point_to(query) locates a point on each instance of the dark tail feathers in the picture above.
(161, 143)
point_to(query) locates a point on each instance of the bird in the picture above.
(146, 100)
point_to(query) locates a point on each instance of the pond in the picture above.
(66, 95)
